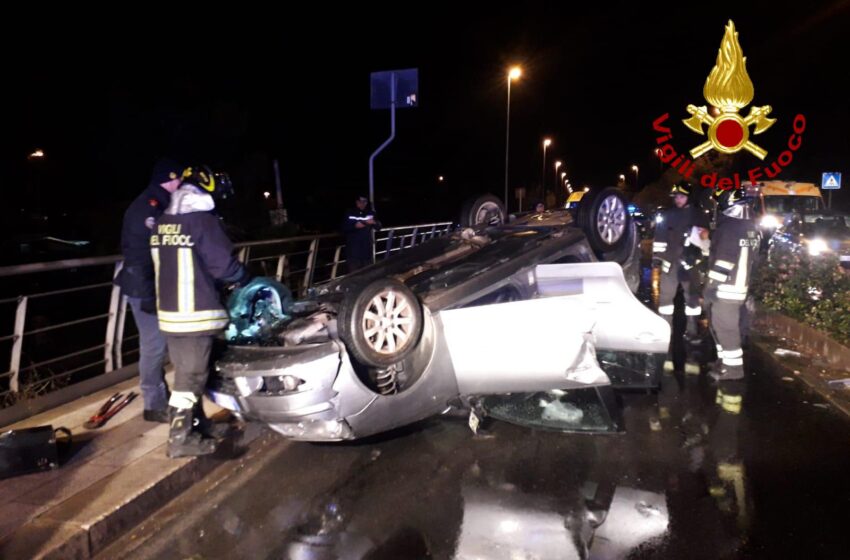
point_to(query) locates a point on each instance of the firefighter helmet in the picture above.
(729, 198)
(681, 188)
(216, 183)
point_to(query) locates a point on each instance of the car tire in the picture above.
(380, 324)
(604, 216)
(628, 256)
(485, 210)
(629, 251)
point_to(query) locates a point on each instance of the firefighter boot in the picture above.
(185, 438)
(207, 427)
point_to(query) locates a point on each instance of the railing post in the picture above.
(281, 268)
(389, 243)
(311, 264)
(109, 339)
(243, 255)
(335, 267)
(17, 344)
(119, 333)
(413, 237)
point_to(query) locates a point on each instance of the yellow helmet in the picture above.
(217, 184)
(681, 188)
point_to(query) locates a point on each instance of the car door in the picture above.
(537, 353)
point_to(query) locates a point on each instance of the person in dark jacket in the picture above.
(357, 227)
(192, 256)
(673, 248)
(734, 248)
(136, 279)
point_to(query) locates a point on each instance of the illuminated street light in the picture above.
(546, 143)
(513, 74)
(558, 165)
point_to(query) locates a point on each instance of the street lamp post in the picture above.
(635, 169)
(546, 143)
(513, 74)
(558, 164)
(36, 158)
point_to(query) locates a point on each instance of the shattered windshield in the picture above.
(570, 411)
(578, 410)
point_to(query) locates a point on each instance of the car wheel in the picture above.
(486, 210)
(628, 252)
(381, 324)
(603, 215)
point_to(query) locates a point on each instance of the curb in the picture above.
(801, 368)
(85, 524)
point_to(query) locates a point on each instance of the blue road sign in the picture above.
(404, 83)
(831, 181)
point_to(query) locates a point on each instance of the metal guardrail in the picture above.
(299, 262)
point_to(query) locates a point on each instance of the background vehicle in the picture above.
(777, 200)
(816, 234)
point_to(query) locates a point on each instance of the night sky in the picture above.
(237, 89)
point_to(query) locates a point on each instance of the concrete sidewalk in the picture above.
(114, 477)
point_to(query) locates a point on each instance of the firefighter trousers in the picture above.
(725, 320)
(191, 358)
(669, 285)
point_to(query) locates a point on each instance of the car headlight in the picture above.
(283, 384)
(817, 247)
(248, 385)
(769, 221)
(659, 218)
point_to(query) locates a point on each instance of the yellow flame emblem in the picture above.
(729, 89)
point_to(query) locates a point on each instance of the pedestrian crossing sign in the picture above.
(831, 180)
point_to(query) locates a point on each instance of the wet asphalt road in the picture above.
(771, 482)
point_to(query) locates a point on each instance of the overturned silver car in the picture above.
(479, 318)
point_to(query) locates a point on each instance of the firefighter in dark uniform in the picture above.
(734, 246)
(136, 280)
(192, 255)
(673, 230)
(358, 226)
